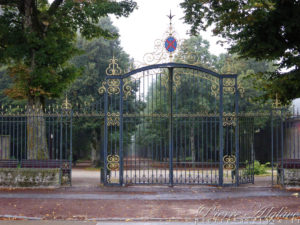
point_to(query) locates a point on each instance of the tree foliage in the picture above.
(38, 40)
(84, 96)
(192, 95)
(83, 93)
(259, 29)
(95, 59)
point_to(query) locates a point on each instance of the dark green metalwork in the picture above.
(36, 138)
(166, 124)
(221, 153)
(163, 124)
(121, 131)
(171, 123)
(237, 144)
(176, 135)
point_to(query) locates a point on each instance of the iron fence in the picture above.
(36, 139)
(154, 134)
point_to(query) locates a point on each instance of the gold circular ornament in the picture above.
(113, 162)
(229, 162)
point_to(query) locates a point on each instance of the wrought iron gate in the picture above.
(172, 124)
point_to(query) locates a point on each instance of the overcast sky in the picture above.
(149, 22)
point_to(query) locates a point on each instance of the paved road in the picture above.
(141, 202)
(156, 196)
(138, 223)
(146, 193)
(88, 201)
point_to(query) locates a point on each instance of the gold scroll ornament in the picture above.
(113, 119)
(229, 119)
(229, 162)
(113, 162)
(112, 86)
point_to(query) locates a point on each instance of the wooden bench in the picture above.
(9, 163)
(50, 163)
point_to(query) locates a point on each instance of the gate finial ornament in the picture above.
(164, 48)
(277, 104)
(229, 67)
(171, 42)
(113, 68)
(170, 17)
(66, 104)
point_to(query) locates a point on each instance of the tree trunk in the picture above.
(28, 15)
(36, 125)
(36, 131)
(95, 148)
(192, 140)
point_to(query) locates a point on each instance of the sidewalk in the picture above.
(143, 203)
(148, 203)
(131, 223)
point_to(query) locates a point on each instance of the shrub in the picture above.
(259, 168)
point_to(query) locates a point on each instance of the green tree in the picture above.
(84, 90)
(195, 50)
(259, 29)
(38, 40)
(84, 94)
(249, 86)
(5, 82)
(193, 94)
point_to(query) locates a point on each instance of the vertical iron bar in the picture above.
(121, 134)
(237, 132)
(104, 179)
(25, 135)
(221, 131)
(57, 136)
(17, 139)
(21, 144)
(272, 147)
(211, 149)
(171, 125)
(71, 145)
(282, 171)
(12, 129)
(60, 148)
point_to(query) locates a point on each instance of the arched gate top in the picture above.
(172, 65)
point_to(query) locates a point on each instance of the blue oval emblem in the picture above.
(171, 44)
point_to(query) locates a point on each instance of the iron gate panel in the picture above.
(230, 131)
(146, 148)
(112, 132)
(166, 124)
(195, 127)
(246, 143)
